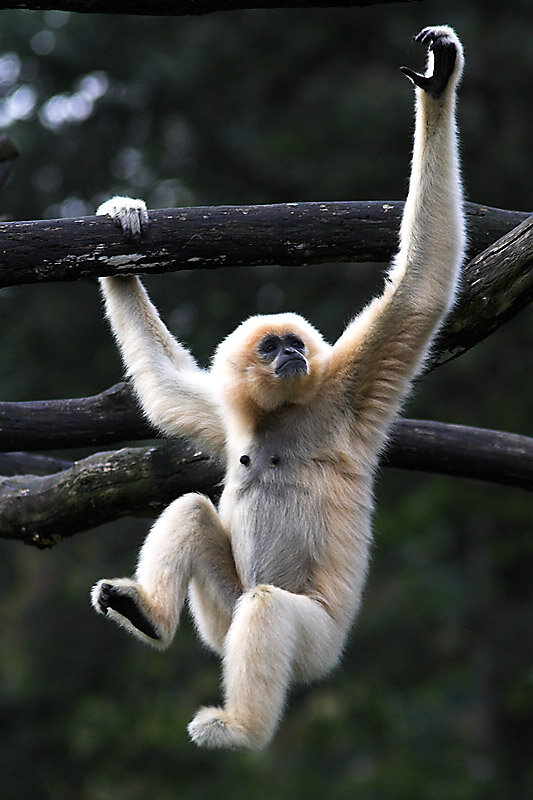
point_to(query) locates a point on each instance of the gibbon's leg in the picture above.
(186, 543)
(275, 636)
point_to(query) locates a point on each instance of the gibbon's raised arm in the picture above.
(174, 392)
(384, 347)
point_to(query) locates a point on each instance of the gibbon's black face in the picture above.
(285, 353)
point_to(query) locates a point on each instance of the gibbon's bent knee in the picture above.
(190, 505)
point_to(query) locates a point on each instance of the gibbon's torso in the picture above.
(285, 484)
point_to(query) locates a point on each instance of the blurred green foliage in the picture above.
(433, 699)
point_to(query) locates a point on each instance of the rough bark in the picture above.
(111, 416)
(288, 234)
(133, 481)
(179, 7)
(498, 283)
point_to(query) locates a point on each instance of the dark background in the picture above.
(432, 700)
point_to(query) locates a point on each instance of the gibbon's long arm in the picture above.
(384, 347)
(173, 390)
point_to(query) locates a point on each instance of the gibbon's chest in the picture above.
(277, 499)
(268, 459)
(266, 505)
(278, 451)
(289, 450)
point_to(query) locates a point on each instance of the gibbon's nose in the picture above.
(290, 362)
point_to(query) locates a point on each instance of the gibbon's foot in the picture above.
(213, 727)
(120, 598)
(445, 46)
(130, 215)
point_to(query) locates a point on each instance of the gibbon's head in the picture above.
(272, 360)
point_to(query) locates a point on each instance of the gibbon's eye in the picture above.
(269, 346)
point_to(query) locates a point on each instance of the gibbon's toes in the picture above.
(213, 727)
(109, 597)
(445, 46)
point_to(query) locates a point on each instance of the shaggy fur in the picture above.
(274, 576)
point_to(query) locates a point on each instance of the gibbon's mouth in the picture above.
(291, 365)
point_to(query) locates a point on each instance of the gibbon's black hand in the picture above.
(444, 48)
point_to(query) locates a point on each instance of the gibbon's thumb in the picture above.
(415, 77)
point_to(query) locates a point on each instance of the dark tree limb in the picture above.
(132, 481)
(498, 283)
(289, 234)
(143, 480)
(462, 451)
(178, 7)
(111, 416)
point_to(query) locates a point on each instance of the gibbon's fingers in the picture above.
(128, 214)
(444, 47)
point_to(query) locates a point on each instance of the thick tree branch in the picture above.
(498, 283)
(142, 481)
(111, 416)
(101, 488)
(289, 234)
(462, 451)
(178, 7)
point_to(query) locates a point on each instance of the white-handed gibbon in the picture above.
(274, 575)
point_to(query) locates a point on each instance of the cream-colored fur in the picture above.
(274, 575)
